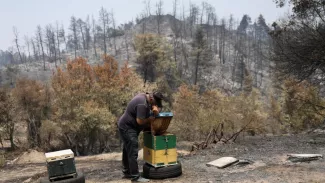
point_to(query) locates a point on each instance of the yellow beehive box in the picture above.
(158, 158)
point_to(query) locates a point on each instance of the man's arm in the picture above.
(145, 121)
(142, 118)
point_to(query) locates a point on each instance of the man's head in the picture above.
(159, 97)
(156, 98)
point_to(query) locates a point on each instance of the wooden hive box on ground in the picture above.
(60, 164)
(160, 150)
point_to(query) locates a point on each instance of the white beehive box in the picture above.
(60, 164)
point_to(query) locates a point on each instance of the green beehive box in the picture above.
(160, 142)
(60, 164)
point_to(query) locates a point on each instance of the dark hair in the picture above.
(158, 96)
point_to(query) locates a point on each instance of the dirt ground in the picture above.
(268, 153)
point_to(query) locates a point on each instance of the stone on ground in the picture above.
(28, 180)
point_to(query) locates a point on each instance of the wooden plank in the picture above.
(223, 162)
(304, 157)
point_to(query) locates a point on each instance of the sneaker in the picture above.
(127, 176)
(140, 179)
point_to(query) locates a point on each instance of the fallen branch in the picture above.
(214, 137)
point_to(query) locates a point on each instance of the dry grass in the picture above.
(2, 160)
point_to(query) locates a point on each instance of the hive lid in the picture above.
(58, 155)
(164, 115)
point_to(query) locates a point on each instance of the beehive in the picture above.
(60, 164)
(161, 123)
(160, 150)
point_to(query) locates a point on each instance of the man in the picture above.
(138, 115)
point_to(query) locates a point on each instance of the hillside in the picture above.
(225, 70)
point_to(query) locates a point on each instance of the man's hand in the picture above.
(147, 126)
(155, 110)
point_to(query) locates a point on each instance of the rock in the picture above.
(28, 180)
(304, 157)
(223, 162)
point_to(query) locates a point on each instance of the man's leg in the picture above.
(132, 152)
(125, 163)
(131, 139)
